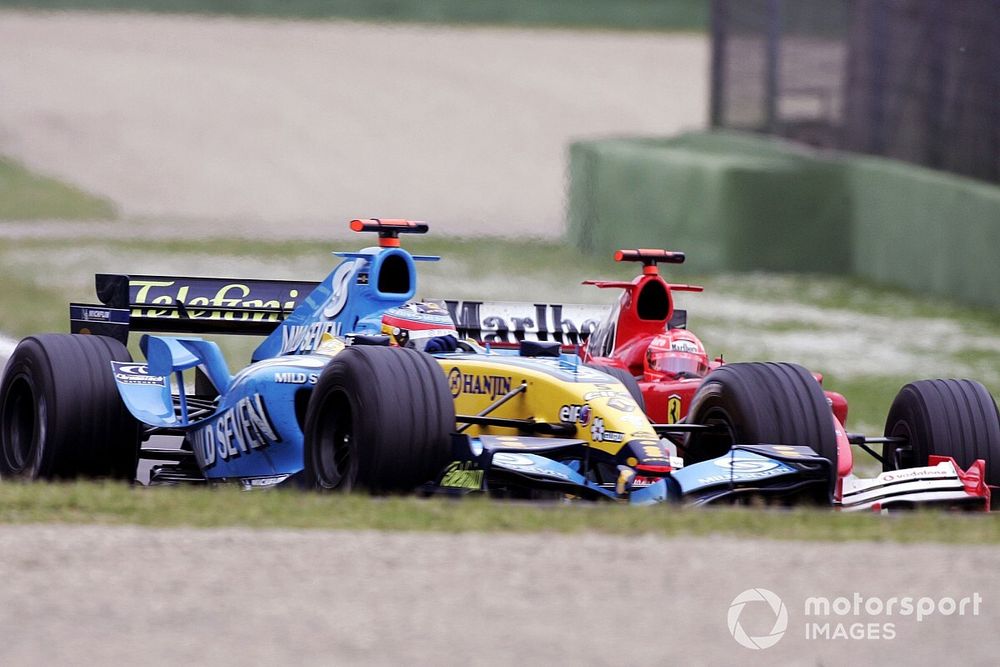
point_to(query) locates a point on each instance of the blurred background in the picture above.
(830, 167)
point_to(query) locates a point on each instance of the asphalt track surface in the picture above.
(282, 128)
(74, 594)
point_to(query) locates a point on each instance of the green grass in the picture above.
(28, 196)
(616, 14)
(117, 504)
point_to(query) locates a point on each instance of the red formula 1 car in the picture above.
(942, 437)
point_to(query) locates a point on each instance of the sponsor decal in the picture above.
(296, 339)
(263, 482)
(362, 279)
(509, 459)
(136, 374)
(599, 434)
(638, 421)
(684, 346)
(654, 451)
(96, 315)
(915, 473)
(786, 450)
(330, 346)
(622, 405)
(339, 283)
(202, 296)
(527, 464)
(570, 414)
(462, 475)
(746, 465)
(606, 393)
(296, 378)
(742, 470)
(237, 431)
(673, 409)
(493, 386)
(505, 322)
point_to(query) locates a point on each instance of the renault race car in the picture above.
(326, 403)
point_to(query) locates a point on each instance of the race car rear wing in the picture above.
(186, 305)
(507, 323)
(192, 305)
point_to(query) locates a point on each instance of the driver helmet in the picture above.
(676, 353)
(416, 324)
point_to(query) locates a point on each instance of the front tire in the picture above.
(60, 412)
(956, 418)
(761, 403)
(378, 420)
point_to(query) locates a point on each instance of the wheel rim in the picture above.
(719, 440)
(23, 427)
(332, 457)
(900, 457)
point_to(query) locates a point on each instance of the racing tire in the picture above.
(956, 418)
(625, 378)
(378, 420)
(761, 403)
(60, 412)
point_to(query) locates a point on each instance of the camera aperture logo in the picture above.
(857, 617)
(772, 606)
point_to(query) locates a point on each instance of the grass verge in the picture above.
(115, 504)
(620, 14)
(28, 196)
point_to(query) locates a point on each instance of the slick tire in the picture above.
(626, 379)
(956, 418)
(761, 403)
(60, 412)
(379, 420)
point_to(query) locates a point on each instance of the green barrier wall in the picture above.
(729, 201)
(926, 230)
(738, 202)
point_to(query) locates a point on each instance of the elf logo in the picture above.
(572, 414)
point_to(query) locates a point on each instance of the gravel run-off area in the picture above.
(104, 595)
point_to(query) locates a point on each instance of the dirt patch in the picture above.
(281, 128)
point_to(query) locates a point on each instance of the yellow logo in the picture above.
(673, 409)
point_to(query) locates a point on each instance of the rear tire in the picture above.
(60, 412)
(956, 418)
(379, 420)
(626, 379)
(761, 403)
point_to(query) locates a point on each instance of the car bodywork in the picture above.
(532, 418)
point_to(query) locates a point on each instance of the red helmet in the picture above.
(676, 353)
(414, 324)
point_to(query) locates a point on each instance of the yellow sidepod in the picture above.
(557, 392)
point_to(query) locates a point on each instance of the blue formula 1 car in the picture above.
(328, 403)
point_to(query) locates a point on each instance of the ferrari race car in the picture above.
(328, 403)
(942, 437)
